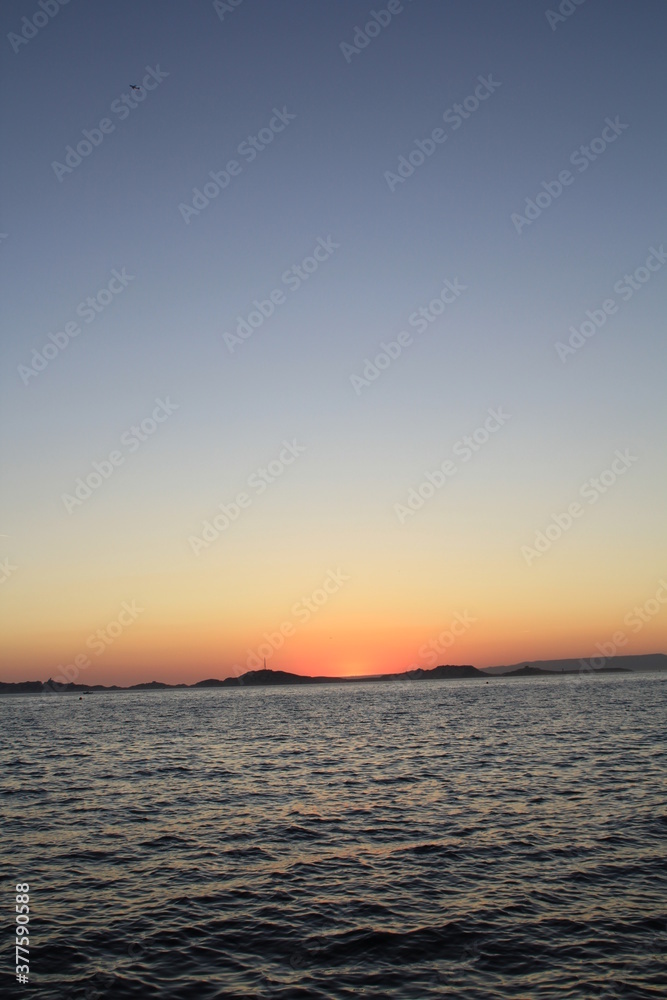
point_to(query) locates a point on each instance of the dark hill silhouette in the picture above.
(253, 678)
(527, 671)
(271, 678)
(530, 671)
(643, 661)
(261, 678)
(438, 673)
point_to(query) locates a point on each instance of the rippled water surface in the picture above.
(443, 839)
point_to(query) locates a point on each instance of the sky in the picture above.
(337, 343)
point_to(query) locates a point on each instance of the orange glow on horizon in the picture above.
(178, 635)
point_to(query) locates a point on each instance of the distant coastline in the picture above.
(274, 678)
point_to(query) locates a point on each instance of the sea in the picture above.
(459, 839)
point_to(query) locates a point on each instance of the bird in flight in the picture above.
(134, 86)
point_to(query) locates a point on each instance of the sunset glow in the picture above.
(324, 373)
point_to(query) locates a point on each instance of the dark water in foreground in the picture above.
(443, 839)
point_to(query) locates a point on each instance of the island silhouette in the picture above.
(272, 678)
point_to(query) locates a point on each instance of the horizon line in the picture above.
(424, 673)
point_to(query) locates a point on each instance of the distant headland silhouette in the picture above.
(272, 678)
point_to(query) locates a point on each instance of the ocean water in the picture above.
(439, 839)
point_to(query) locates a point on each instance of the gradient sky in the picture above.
(396, 582)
